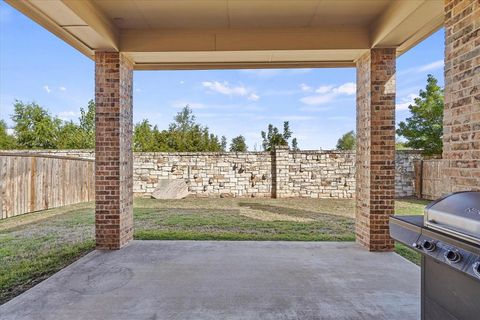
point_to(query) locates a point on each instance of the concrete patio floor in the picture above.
(227, 280)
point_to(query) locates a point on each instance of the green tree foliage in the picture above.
(238, 144)
(79, 136)
(6, 141)
(69, 136)
(295, 144)
(87, 125)
(424, 128)
(34, 127)
(223, 143)
(273, 137)
(147, 138)
(184, 134)
(347, 141)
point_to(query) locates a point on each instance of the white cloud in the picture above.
(435, 65)
(431, 66)
(324, 89)
(315, 108)
(305, 87)
(348, 88)
(68, 115)
(406, 101)
(326, 94)
(62, 88)
(47, 89)
(226, 89)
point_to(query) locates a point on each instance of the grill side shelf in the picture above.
(406, 230)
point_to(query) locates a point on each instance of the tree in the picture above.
(295, 144)
(69, 136)
(347, 141)
(273, 137)
(79, 136)
(184, 134)
(223, 143)
(145, 138)
(238, 144)
(6, 141)
(87, 125)
(35, 128)
(424, 128)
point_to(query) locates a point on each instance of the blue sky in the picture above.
(319, 103)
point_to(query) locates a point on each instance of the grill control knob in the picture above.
(476, 268)
(429, 245)
(453, 256)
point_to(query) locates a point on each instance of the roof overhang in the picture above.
(217, 34)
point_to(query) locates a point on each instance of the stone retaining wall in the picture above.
(405, 172)
(282, 173)
(207, 174)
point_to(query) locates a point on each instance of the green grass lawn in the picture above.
(36, 245)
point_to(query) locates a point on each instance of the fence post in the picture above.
(418, 168)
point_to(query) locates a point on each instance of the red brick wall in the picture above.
(375, 163)
(461, 122)
(113, 150)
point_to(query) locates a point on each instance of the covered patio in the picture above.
(204, 280)
(227, 280)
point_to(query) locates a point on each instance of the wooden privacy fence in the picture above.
(429, 179)
(30, 183)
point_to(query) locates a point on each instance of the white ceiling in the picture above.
(198, 14)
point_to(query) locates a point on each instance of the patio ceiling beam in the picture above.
(50, 24)
(97, 21)
(405, 23)
(244, 39)
(152, 43)
(242, 65)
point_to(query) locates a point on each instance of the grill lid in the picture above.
(457, 214)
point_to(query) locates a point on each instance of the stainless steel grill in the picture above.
(448, 237)
(457, 214)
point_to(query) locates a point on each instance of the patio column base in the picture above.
(375, 159)
(113, 150)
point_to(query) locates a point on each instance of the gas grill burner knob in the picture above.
(429, 245)
(453, 256)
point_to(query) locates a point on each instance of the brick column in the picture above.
(461, 120)
(375, 159)
(280, 174)
(113, 150)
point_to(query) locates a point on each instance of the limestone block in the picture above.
(171, 189)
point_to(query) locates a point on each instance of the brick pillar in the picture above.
(280, 172)
(113, 150)
(375, 159)
(461, 120)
